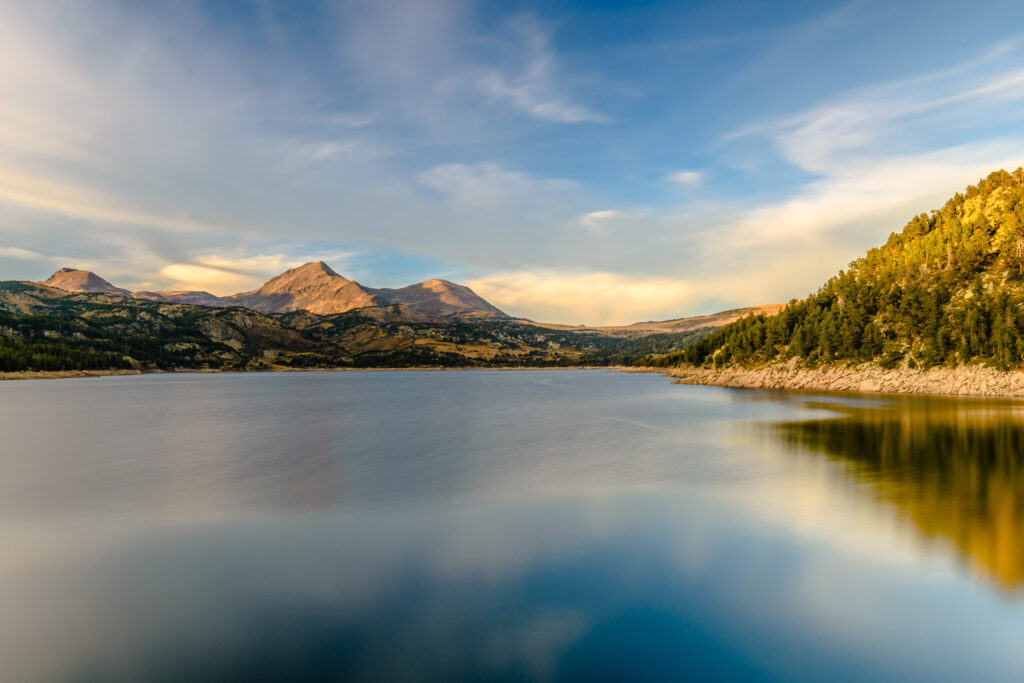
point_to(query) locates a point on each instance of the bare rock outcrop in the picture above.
(970, 380)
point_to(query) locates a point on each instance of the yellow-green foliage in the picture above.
(947, 289)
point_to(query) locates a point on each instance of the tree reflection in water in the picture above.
(954, 468)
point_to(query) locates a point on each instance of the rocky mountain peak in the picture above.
(75, 280)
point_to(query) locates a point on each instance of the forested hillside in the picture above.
(948, 289)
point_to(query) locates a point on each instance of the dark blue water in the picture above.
(549, 525)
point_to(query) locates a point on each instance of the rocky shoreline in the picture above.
(972, 380)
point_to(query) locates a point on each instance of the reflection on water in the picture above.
(564, 526)
(955, 469)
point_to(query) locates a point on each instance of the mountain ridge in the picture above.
(46, 329)
(75, 280)
(313, 287)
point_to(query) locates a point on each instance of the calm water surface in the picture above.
(550, 525)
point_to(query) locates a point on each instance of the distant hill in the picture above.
(313, 287)
(440, 298)
(674, 326)
(72, 280)
(946, 290)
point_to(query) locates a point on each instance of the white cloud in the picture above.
(588, 298)
(685, 177)
(486, 183)
(352, 149)
(259, 264)
(24, 254)
(75, 201)
(596, 221)
(191, 276)
(534, 91)
(223, 274)
(871, 121)
(873, 170)
(883, 193)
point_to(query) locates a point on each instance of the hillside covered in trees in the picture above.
(946, 290)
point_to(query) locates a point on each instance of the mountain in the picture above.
(313, 287)
(946, 290)
(440, 299)
(316, 288)
(73, 280)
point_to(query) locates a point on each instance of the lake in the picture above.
(484, 525)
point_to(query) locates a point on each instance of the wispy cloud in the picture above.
(486, 183)
(878, 196)
(685, 177)
(189, 276)
(229, 273)
(534, 90)
(873, 167)
(351, 149)
(83, 203)
(596, 221)
(871, 120)
(29, 255)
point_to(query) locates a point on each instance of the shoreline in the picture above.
(74, 374)
(63, 374)
(971, 380)
(865, 378)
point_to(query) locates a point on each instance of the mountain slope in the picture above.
(313, 287)
(948, 289)
(440, 298)
(74, 280)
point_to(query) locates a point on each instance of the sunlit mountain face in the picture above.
(953, 469)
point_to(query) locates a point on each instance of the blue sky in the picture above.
(574, 162)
